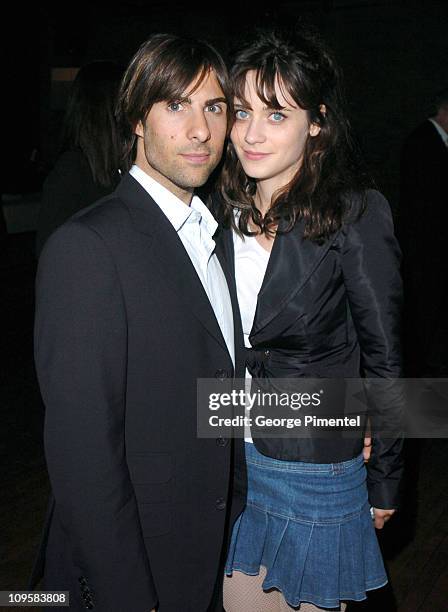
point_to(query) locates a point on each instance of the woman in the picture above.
(88, 167)
(317, 276)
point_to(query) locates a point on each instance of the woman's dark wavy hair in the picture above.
(89, 123)
(331, 165)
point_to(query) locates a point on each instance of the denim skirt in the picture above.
(309, 525)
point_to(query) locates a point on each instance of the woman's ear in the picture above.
(314, 127)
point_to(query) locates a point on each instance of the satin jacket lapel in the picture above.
(175, 266)
(292, 261)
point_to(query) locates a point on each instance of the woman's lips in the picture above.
(254, 155)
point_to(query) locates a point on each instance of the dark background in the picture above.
(394, 55)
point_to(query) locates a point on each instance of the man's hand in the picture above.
(366, 451)
(382, 516)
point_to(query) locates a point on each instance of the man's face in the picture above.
(180, 142)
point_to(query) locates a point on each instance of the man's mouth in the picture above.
(196, 158)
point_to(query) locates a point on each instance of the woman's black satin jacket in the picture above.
(333, 311)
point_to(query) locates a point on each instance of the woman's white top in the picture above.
(251, 261)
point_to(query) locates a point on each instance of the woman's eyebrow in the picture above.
(243, 105)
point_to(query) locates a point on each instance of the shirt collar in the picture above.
(210, 223)
(176, 211)
(441, 131)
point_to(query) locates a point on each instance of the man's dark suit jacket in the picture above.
(123, 331)
(423, 232)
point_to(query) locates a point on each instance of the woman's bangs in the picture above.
(268, 82)
(265, 82)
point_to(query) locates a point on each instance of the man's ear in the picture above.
(139, 131)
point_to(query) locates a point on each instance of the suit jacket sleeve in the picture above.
(80, 353)
(371, 261)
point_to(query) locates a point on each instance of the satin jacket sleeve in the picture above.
(370, 265)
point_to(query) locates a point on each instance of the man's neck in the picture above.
(185, 195)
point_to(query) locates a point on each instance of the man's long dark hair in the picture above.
(331, 167)
(90, 124)
(161, 71)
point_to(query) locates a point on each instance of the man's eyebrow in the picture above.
(181, 100)
(215, 101)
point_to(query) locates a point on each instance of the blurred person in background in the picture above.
(88, 167)
(423, 225)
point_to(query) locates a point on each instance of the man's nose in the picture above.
(198, 128)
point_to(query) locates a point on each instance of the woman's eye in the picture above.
(175, 107)
(277, 117)
(241, 114)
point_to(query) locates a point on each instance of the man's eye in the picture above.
(277, 117)
(175, 107)
(241, 114)
(214, 108)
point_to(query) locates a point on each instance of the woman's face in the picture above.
(270, 143)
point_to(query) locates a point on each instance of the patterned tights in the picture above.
(244, 593)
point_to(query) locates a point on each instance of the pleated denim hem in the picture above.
(311, 598)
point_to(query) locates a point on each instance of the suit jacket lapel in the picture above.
(293, 260)
(175, 266)
(225, 253)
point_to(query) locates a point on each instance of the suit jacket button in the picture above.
(221, 374)
(221, 442)
(220, 503)
(267, 353)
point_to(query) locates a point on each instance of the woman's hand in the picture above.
(366, 451)
(381, 517)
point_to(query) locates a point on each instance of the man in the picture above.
(423, 225)
(132, 308)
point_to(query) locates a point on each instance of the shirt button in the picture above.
(221, 374)
(220, 503)
(221, 442)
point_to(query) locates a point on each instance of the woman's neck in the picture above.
(267, 188)
(263, 196)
